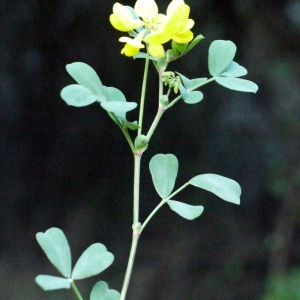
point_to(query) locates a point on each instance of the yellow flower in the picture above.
(158, 28)
(176, 27)
(122, 19)
(132, 46)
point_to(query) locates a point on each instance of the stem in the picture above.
(134, 243)
(76, 291)
(136, 224)
(136, 188)
(163, 201)
(160, 109)
(143, 94)
(128, 138)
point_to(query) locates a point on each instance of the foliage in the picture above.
(150, 31)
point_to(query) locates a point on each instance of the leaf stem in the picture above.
(76, 291)
(162, 202)
(160, 110)
(143, 94)
(128, 138)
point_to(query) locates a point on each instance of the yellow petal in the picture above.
(173, 6)
(156, 50)
(178, 20)
(187, 26)
(183, 38)
(146, 9)
(129, 50)
(122, 19)
(136, 42)
(157, 38)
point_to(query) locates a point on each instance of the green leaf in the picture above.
(190, 97)
(225, 188)
(237, 84)
(78, 95)
(178, 48)
(93, 261)
(119, 108)
(164, 169)
(234, 70)
(101, 291)
(186, 211)
(86, 76)
(131, 125)
(113, 94)
(56, 247)
(191, 84)
(220, 55)
(48, 283)
(194, 42)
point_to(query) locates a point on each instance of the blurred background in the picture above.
(71, 167)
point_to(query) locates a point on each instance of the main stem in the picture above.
(136, 225)
(136, 190)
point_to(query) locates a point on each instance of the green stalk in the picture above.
(128, 138)
(160, 109)
(162, 202)
(143, 94)
(76, 291)
(134, 243)
(136, 224)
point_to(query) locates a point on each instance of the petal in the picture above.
(146, 9)
(183, 38)
(156, 50)
(157, 38)
(178, 20)
(122, 19)
(129, 50)
(187, 26)
(132, 42)
(173, 6)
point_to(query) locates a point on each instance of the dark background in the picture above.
(71, 167)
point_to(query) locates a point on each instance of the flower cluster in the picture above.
(145, 25)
